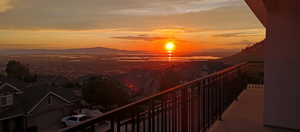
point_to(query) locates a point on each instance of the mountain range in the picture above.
(96, 50)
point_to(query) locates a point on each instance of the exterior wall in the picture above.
(47, 117)
(282, 64)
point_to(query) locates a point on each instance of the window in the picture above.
(9, 99)
(6, 100)
(72, 119)
(83, 118)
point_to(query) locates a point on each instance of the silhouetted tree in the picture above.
(30, 78)
(170, 79)
(15, 69)
(69, 84)
(105, 91)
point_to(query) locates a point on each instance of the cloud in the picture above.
(5, 5)
(237, 34)
(140, 37)
(166, 7)
(14, 46)
(114, 14)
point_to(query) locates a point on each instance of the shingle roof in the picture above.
(31, 96)
(6, 87)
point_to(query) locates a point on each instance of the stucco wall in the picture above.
(282, 64)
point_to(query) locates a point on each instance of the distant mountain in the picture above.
(252, 53)
(96, 50)
(216, 53)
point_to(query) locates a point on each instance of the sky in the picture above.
(194, 25)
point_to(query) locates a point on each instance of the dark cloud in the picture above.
(140, 37)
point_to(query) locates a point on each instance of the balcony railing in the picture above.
(190, 107)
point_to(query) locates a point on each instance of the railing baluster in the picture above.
(133, 123)
(126, 127)
(137, 122)
(112, 125)
(203, 104)
(153, 116)
(165, 114)
(144, 122)
(149, 117)
(184, 106)
(200, 106)
(220, 87)
(118, 124)
(176, 112)
(173, 111)
(158, 117)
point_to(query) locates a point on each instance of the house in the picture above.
(33, 108)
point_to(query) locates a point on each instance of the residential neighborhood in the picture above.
(33, 108)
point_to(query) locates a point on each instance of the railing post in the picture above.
(195, 111)
(201, 109)
(153, 116)
(118, 123)
(173, 101)
(221, 94)
(208, 102)
(112, 124)
(133, 122)
(204, 106)
(150, 116)
(137, 121)
(163, 113)
(184, 111)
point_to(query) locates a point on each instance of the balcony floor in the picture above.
(245, 115)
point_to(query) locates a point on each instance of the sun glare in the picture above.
(170, 46)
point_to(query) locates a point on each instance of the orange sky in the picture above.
(194, 25)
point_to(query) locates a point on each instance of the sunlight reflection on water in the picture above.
(170, 57)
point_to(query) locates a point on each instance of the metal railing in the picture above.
(190, 107)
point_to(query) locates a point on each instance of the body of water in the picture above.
(162, 58)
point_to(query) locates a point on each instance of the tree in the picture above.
(105, 91)
(169, 79)
(15, 69)
(30, 78)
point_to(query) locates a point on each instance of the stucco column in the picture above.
(282, 60)
(282, 64)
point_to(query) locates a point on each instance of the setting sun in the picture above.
(170, 46)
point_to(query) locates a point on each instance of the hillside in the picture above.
(253, 53)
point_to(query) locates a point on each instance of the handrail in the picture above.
(112, 113)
